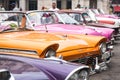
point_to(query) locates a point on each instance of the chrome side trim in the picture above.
(75, 70)
(17, 51)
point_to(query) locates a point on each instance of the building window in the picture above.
(13, 3)
(32, 4)
(69, 4)
(115, 1)
(59, 4)
(93, 3)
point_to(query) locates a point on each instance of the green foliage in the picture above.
(13, 25)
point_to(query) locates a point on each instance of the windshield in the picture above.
(77, 17)
(86, 17)
(9, 21)
(39, 18)
(67, 19)
(101, 11)
(10, 17)
(95, 11)
(92, 16)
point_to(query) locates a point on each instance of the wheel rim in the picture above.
(83, 75)
(50, 53)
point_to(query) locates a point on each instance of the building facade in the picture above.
(61, 4)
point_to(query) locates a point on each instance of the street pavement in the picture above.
(113, 72)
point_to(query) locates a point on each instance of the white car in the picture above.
(109, 19)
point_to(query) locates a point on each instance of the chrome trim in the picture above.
(110, 47)
(17, 51)
(106, 56)
(75, 70)
(100, 47)
(56, 59)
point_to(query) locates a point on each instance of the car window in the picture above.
(3, 16)
(21, 70)
(67, 19)
(77, 17)
(47, 18)
(95, 11)
(10, 17)
(10, 21)
(101, 11)
(38, 18)
(86, 17)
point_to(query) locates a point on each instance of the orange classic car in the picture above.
(18, 40)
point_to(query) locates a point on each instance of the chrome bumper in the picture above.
(111, 41)
(110, 47)
(106, 57)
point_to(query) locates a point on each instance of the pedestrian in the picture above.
(15, 8)
(43, 8)
(54, 7)
(111, 10)
(2, 8)
(20, 9)
(78, 7)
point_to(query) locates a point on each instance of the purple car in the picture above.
(51, 21)
(25, 68)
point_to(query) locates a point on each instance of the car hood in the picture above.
(55, 70)
(103, 25)
(68, 42)
(107, 32)
(67, 28)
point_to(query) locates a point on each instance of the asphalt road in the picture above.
(113, 71)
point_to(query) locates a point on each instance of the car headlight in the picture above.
(50, 53)
(103, 48)
(117, 23)
(80, 75)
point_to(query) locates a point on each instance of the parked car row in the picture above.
(27, 37)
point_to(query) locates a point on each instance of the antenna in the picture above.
(46, 27)
(44, 20)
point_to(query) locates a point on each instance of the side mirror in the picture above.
(6, 75)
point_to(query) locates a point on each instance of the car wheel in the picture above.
(81, 75)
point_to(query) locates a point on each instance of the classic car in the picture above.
(63, 18)
(100, 12)
(26, 68)
(53, 19)
(72, 47)
(106, 19)
(84, 18)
